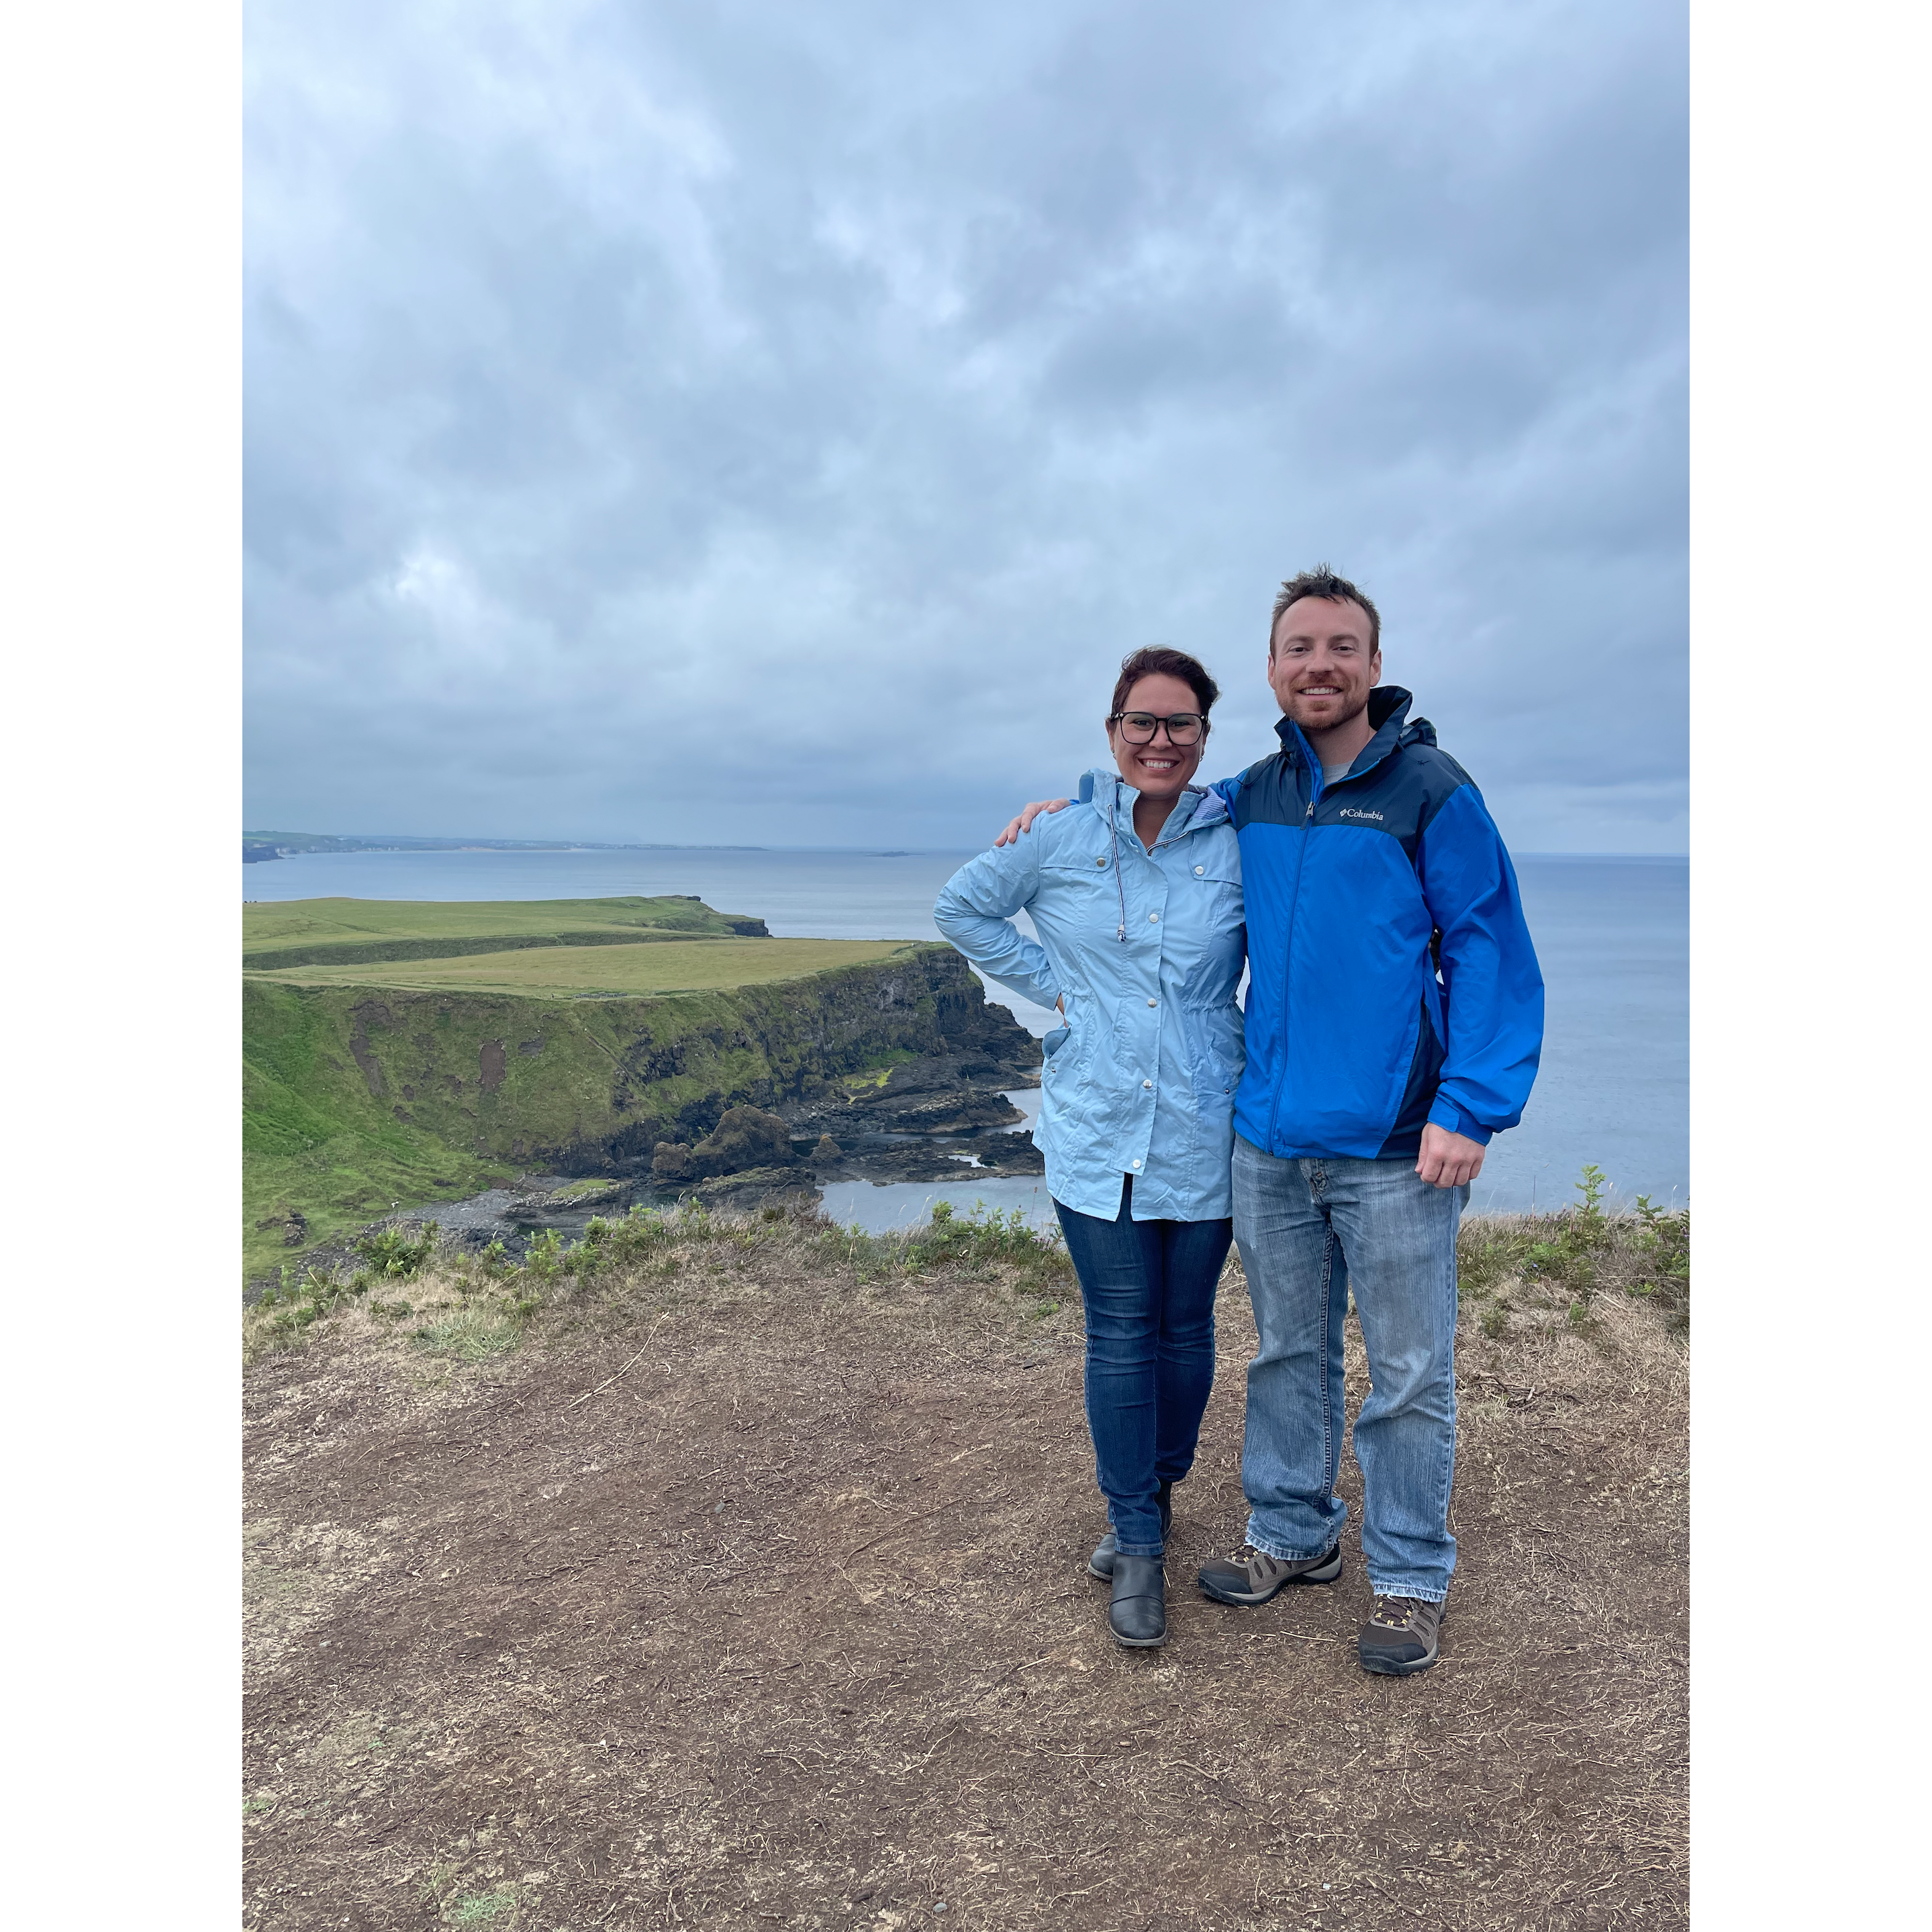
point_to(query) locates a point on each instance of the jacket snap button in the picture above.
(1100, 863)
(1146, 1083)
(1198, 870)
(1153, 1002)
(1153, 918)
(1134, 1163)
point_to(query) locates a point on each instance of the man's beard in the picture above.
(1294, 712)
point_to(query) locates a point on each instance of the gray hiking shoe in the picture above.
(1253, 1577)
(1399, 1639)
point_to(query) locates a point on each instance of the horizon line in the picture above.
(480, 843)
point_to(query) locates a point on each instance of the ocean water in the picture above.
(1613, 935)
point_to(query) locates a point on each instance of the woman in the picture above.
(1135, 893)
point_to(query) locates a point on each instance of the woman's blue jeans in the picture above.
(1148, 1287)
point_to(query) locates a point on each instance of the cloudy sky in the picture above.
(700, 422)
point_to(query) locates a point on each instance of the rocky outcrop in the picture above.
(944, 1093)
(747, 1137)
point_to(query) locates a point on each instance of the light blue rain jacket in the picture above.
(1141, 1080)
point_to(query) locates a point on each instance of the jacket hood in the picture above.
(1105, 789)
(1388, 719)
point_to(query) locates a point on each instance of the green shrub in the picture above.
(543, 1259)
(392, 1253)
(972, 1242)
(1663, 1245)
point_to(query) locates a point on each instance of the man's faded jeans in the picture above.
(1306, 1230)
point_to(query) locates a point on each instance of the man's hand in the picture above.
(1447, 1159)
(1028, 814)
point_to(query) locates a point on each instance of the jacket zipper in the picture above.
(1316, 787)
(1314, 770)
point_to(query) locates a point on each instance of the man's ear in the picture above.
(1375, 665)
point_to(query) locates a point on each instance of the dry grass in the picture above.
(747, 1590)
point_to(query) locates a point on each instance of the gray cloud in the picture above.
(719, 423)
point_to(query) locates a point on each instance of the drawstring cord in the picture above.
(1114, 826)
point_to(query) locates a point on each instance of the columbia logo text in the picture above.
(1348, 812)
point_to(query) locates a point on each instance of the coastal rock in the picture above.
(671, 1161)
(1010, 1153)
(941, 1093)
(755, 1186)
(292, 1223)
(747, 1137)
(586, 1193)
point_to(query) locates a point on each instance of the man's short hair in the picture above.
(1322, 582)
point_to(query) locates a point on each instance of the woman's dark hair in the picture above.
(1157, 660)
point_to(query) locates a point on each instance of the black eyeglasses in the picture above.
(1137, 728)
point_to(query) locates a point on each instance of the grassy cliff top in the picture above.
(611, 971)
(276, 924)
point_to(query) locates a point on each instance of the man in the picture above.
(1394, 1019)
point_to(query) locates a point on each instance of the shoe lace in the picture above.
(1394, 1612)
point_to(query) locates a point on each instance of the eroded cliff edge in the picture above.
(358, 1097)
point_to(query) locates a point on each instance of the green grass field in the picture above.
(609, 971)
(276, 935)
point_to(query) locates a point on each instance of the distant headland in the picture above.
(256, 846)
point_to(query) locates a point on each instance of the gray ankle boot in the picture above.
(1138, 1614)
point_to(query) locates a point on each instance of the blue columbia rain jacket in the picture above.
(1356, 892)
(1146, 949)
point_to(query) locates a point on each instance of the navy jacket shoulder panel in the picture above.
(1398, 797)
(1271, 794)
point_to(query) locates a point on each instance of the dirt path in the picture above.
(747, 1593)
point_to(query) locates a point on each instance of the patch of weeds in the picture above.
(1567, 1259)
(469, 1334)
(288, 1308)
(261, 1801)
(979, 1239)
(1489, 1251)
(1495, 1318)
(481, 1908)
(393, 1311)
(1661, 1246)
(1577, 1253)
(438, 1879)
